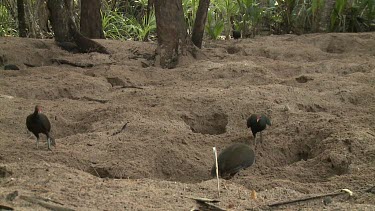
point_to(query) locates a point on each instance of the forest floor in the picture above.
(317, 89)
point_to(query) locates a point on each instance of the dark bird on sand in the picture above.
(11, 67)
(257, 123)
(39, 123)
(236, 34)
(232, 159)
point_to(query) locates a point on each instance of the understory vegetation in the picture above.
(129, 20)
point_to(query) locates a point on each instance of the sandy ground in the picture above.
(318, 90)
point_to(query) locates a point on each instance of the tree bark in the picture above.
(325, 18)
(200, 22)
(67, 35)
(150, 5)
(171, 32)
(43, 16)
(30, 19)
(60, 13)
(84, 44)
(91, 19)
(21, 18)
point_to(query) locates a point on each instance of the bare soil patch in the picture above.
(318, 90)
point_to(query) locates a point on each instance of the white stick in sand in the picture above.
(217, 171)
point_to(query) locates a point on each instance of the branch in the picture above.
(130, 86)
(89, 99)
(203, 203)
(122, 129)
(44, 204)
(63, 61)
(343, 191)
(3, 207)
(96, 100)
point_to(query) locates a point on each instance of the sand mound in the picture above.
(318, 90)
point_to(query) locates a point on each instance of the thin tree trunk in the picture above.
(21, 18)
(91, 19)
(30, 19)
(325, 18)
(200, 22)
(66, 31)
(171, 32)
(150, 5)
(84, 44)
(43, 15)
(60, 13)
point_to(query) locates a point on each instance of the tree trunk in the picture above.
(43, 16)
(21, 18)
(66, 31)
(30, 19)
(200, 22)
(91, 19)
(60, 13)
(84, 44)
(325, 18)
(150, 5)
(171, 32)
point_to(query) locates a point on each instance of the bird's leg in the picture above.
(261, 137)
(53, 143)
(49, 143)
(37, 143)
(255, 142)
(224, 186)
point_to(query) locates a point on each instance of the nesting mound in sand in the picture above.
(318, 90)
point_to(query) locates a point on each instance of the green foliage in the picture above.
(114, 25)
(190, 9)
(143, 3)
(287, 13)
(224, 10)
(118, 26)
(7, 24)
(128, 23)
(305, 14)
(251, 15)
(247, 16)
(126, 20)
(142, 29)
(272, 19)
(368, 9)
(214, 26)
(337, 18)
(353, 16)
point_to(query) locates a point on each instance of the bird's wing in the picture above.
(248, 123)
(234, 171)
(45, 122)
(251, 120)
(28, 123)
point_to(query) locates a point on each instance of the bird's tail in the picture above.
(268, 122)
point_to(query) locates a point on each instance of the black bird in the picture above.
(257, 123)
(11, 67)
(232, 159)
(39, 123)
(236, 34)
